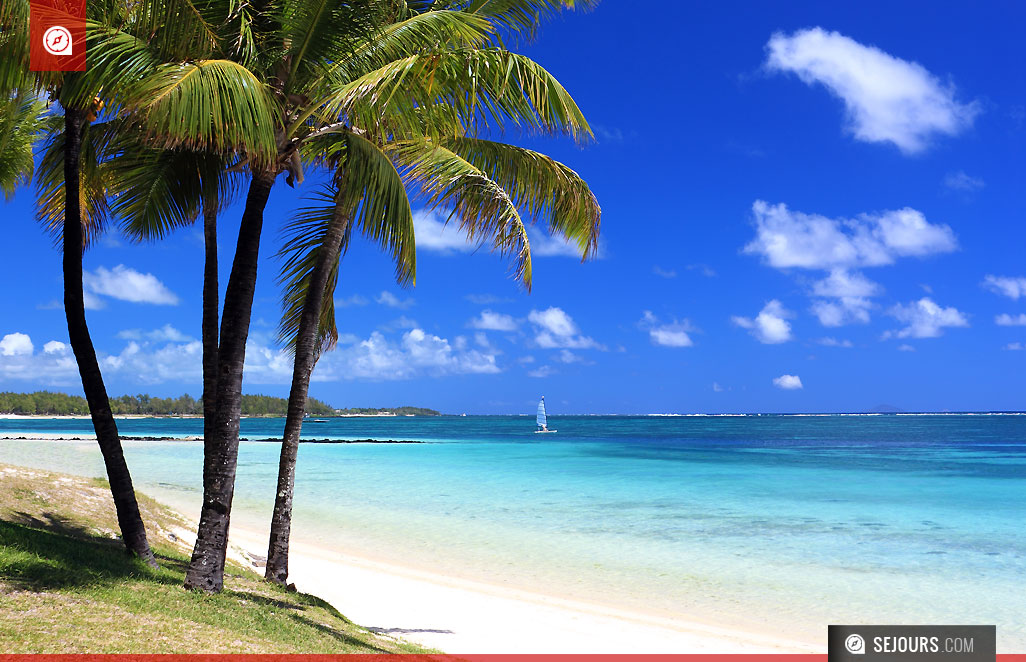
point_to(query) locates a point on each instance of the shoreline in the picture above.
(455, 614)
(459, 615)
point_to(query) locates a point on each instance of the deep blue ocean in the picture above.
(779, 522)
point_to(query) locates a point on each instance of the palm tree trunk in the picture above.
(133, 532)
(307, 350)
(209, 324)
(206, 570)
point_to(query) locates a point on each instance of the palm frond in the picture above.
(94, 173)
(368, 194)
(156, 191)
(545, 187)
(305, 239)
(21, 121)
(210, 105)
(520, 18)
(484, 209)
(487, 86)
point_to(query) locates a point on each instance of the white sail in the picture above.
(542, 421)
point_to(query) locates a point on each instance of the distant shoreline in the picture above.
(35, 436)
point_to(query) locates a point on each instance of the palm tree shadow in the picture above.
(296, 613)
(54, 552)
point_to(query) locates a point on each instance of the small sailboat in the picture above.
(542, 420)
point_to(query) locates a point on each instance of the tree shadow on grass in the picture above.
(296, 613)
(50, 552)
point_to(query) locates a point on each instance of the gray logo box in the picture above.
(912, 643)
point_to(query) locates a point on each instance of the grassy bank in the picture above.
(66, 585)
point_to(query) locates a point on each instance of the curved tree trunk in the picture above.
(209, 324)
(277, 569)
(133, 533)
(206, 570)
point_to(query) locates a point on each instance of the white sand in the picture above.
(460, 616)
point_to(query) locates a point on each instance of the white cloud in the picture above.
(842, 283)
(1005, 319)
(54, 366)
(1012, 287)
(543, 371)
(355, 300)
(566, 356)
(492, 321)
(166, 333)
(555, 329)
(788, 238)
(887, 99)
(959, 181)
(925, 319)
(386, 298)
(125, 284)
(834, 342)
(664, 273)
(671, 334)
(434, 234)
(16, 344)
(526, 359)
(770, 326)
(906, 348)
(1015, 347)
(717, 388)
(846, 310)
(788, 382)
(54, 347)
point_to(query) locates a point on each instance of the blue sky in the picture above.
(806, 207)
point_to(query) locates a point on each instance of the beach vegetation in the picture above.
(47, 403)
(66, 586)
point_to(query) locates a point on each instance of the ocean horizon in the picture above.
(773, 523)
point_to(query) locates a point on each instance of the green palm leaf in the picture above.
(545, 187)
(213, 105)
(20, 125)
(484, 209)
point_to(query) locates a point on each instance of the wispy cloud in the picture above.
(925, 319)
(386, 298)
(664, 273)
(491, 321)
(887, 99)
(1012, 287)
(668, 334)
(1005, 319)
(959, 181)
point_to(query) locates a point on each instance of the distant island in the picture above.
(47, 403)
(387, 411)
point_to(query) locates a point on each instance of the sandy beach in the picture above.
(457, 615)
(461, 616)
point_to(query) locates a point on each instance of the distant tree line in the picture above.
(62, 404)
(398, 411)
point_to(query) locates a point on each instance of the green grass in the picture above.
(67, 586)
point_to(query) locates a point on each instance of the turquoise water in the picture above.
(780, 523)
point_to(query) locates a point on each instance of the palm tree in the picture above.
(329, 65)
(157, 96)
(483, 182)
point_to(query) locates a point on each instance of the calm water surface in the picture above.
(774, 522)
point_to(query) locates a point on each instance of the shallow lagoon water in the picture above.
(781, 523)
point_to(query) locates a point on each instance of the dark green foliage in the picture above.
(61, 404)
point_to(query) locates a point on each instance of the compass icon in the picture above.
(57, 40)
